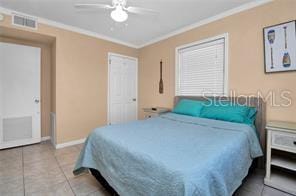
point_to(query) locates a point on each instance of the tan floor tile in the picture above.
(84, 185)
(46, 171)
(68, 171)
(61, 189)
(45, 144)
(37, 156)
(11, 159)
(11, 164)
(35, 148)
(38, 148)
(66, 150)
(38, 167)
(12, 188)
(268, 191)
(44, 180)
(10, 175)
(49, 144)
(11, 154)
(67, 159)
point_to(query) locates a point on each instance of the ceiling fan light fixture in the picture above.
(119, 15)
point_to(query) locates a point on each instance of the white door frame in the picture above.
(110, 54)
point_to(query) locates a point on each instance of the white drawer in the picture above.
(151, 115)
(284, 140)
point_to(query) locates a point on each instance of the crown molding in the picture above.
(220, 16)
(68, 27)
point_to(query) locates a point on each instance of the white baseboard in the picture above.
(71, 143)
(45, 138)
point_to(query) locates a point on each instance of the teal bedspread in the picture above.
(171, 155)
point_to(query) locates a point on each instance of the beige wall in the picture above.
(45, 79)
(79, 68)
(79, 95)
(246, 62)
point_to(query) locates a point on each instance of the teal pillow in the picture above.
(226, 112)
(250, 120)
(188, 107)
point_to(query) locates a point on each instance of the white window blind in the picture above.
(201, 69)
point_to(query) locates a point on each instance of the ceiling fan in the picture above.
(119, 9)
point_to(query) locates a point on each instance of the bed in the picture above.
(174, 154)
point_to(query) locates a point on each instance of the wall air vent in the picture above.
(24, 21)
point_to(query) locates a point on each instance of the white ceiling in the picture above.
(138, 30)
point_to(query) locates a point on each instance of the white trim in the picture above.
(17, 143)
(177, 70)
(108, 93)
(121, 55)
(226, 64)
(45, 138)
(6, 11)
(71, 143)
(68, 27)
(226, 59)
(53, 127)
(222, 15)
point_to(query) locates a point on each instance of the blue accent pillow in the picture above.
(230, 112)
(226, 113)
(250, 120)
(189, 107)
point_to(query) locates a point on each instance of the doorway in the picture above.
(19, 95)
(122, 88)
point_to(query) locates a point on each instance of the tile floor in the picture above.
(42, 170)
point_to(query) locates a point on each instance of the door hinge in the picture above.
(109, 61)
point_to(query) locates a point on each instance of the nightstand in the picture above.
(281, 156)
(149, 112)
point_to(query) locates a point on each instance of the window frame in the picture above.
(200, 42)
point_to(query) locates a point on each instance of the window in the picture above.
(201, 68)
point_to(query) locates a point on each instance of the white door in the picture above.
(122, 89)
(19, 95)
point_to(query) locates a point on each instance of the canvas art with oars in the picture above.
(280, 47)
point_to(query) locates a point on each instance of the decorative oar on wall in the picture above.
(271, 38)
(161, 81)
(286, 57)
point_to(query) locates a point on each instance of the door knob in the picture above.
(36, 101)
(134, 99)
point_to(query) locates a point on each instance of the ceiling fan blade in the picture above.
(93, 6)
(139, 10)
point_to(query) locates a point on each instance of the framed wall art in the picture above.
(280, 47)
